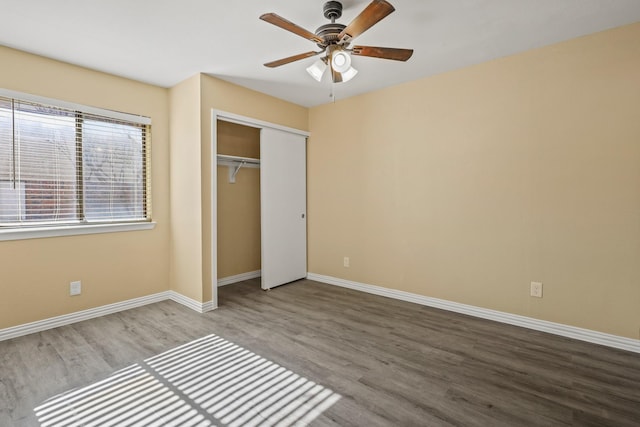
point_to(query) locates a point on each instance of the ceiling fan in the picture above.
(334, 39)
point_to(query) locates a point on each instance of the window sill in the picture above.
(72, 230)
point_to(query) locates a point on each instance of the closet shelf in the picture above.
(226, 160)
(235, 163)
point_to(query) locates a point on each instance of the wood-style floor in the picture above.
(311, 353)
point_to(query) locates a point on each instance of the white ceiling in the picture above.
(166, 41)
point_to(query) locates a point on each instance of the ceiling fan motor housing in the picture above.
(332, 10)
(329, 32)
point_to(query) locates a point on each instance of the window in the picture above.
(63, 164)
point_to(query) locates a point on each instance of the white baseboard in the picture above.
(200, 307)
(238, 278)
(79, 316)
(587, 335)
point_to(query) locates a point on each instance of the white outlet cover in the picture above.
(75, 288)
(536, 289)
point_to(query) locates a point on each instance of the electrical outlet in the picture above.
(536, 289)
(75, 288)
(346, 261)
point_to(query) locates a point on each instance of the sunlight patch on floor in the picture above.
(209, 381)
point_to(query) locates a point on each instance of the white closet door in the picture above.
(283, 203)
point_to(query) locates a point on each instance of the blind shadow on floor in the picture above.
(207, 382)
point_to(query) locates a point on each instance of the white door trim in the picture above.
(254, 123)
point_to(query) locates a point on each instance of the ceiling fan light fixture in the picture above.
(317, 69)
(349, 74)
(340, 61)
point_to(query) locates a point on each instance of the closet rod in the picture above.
(224, 159)
(234, 163)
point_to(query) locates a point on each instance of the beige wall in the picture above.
(469, 185)
(238, 140)
(35, 274)
(186, 217)
(465, 186)
(238, 203)
(238, 222)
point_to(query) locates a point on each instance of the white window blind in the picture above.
(62, 165)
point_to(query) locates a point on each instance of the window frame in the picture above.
(26, 231)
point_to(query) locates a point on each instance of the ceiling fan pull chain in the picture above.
(332, 90)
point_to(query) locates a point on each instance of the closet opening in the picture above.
(258, 205)
(238, 203)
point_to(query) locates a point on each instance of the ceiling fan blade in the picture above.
(293, 58)
(279, 21)
(371, 15)
(383, 52)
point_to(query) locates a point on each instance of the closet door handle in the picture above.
(302, 216)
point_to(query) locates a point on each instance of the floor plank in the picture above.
(386, 362)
